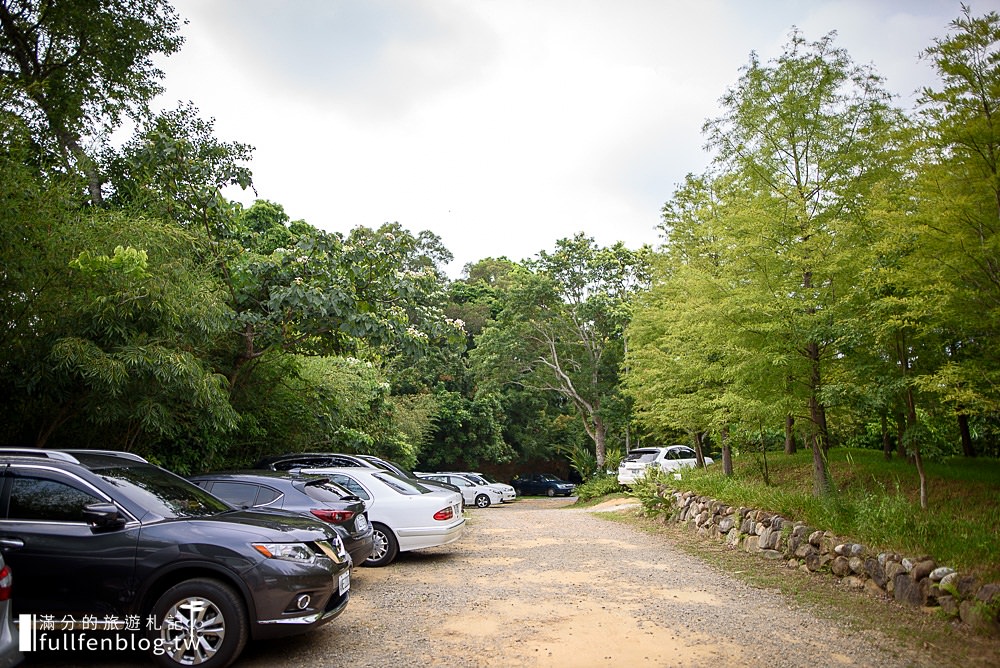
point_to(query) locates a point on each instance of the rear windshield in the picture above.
(325, 491)
(403, 486)
(644, 456)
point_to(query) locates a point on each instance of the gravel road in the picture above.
(535, 583)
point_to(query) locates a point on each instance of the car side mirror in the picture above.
(103, 516)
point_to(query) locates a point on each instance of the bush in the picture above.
(598, 486)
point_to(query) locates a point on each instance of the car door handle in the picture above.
(11, 542)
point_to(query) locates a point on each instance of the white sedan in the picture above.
(507, 492)
(483, 496)
(670, 458)
(404, 514)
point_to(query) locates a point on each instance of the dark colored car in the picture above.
(541, 484)
(310, 460)
(97, 534)
(305, 494)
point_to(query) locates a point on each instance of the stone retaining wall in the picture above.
(918, 582)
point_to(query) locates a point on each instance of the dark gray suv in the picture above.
(105, 535)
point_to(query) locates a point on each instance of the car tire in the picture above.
(551, 492)
(218, 636)
(385, 548)
(482, 501)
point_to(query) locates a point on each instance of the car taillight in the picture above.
(332, 516)
(6, 582)
(444, 514)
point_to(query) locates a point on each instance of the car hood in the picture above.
(276, 525)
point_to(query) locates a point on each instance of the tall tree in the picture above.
(72, 69)
(562, 327)
(956, 266)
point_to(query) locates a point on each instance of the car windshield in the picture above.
(162, 492)
(479, 480)
(645, 456)
(547, 476)
(490, 479)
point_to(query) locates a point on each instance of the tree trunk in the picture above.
(886, 441)
(790, 448)
(727, 453)
(900, 433)
(698, 454)
(968, 449)
(600, 441)
(822, 483)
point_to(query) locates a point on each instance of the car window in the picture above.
(547, 476)
(267, 496)
(641, 456)
(352, 485)
(240, 494)
(162, 492)
(322, 490)
(33, 498)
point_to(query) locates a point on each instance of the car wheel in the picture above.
(482, 501)
(551, 492)
(199, 622)
(385, 547)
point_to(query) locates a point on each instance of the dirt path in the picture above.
(538, 584)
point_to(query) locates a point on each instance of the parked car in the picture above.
(482, 496)
(311, 495)
(10, 654)
(405, 514)
(670, 458)
(406, 473)
(294, 461)
(542, 483)
(507, 493)
(98, 534)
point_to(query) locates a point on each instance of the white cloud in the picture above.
(500, 125)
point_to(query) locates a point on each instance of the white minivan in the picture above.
(669, 458)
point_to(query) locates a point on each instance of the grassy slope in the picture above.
(876, 502)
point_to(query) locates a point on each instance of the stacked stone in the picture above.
(918, 582)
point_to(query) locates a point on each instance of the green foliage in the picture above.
(598, 486)
(875, 503)
(74, 69)
(654, 491)
(561, 328)
(581, 459)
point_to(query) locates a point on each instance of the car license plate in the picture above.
(345, 582)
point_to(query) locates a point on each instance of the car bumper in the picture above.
(278, 587)
(416, 538)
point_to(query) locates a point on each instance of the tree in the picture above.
(562, 327)
(73, 69)
(956, 265)
(804, 141)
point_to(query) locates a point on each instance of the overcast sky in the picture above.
(502, 125)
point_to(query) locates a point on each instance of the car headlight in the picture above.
(298, 552)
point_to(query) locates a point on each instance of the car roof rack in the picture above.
(60, 455)
(131, 456)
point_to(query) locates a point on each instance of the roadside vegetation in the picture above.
(876, 502)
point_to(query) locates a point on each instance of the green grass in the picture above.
(876, 502)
